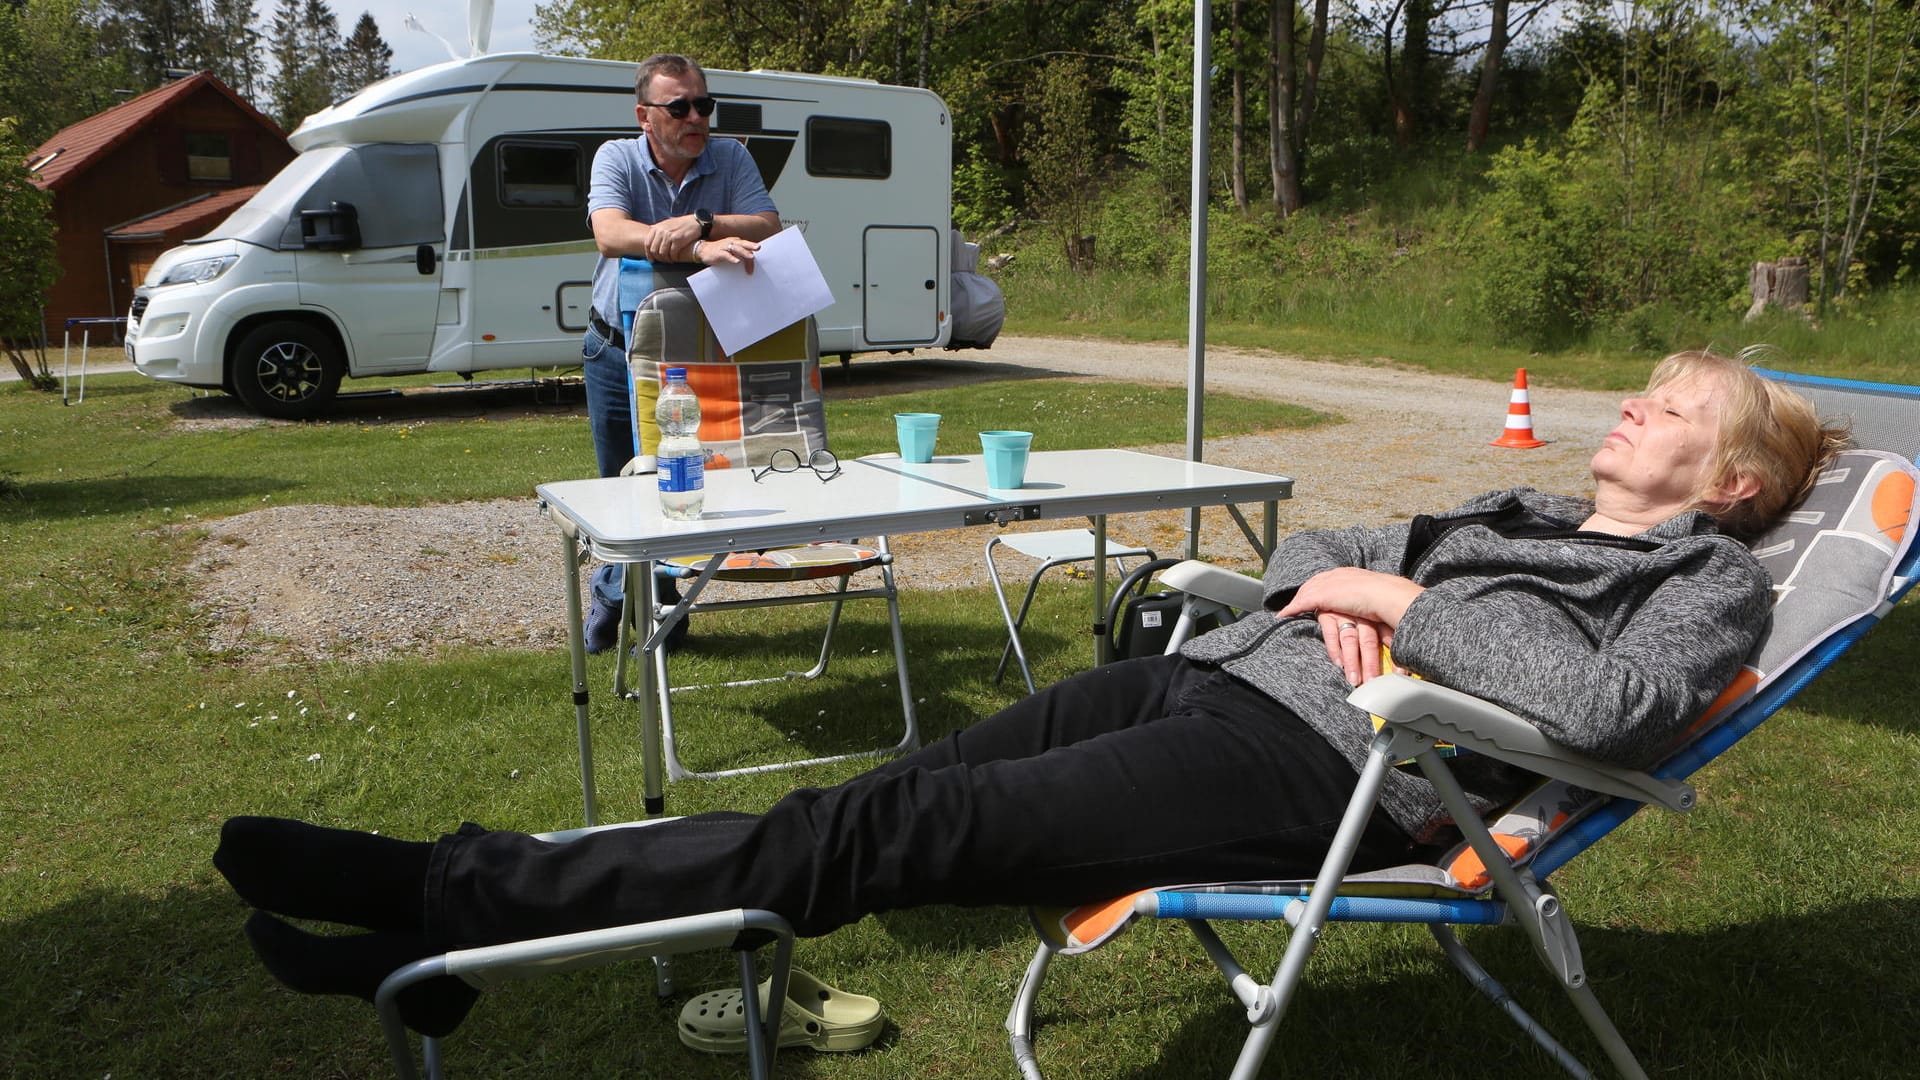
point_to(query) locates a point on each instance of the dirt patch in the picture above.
(361, 582)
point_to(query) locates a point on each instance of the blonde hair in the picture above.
(1768, 433)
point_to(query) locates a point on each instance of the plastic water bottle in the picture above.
(681, 464)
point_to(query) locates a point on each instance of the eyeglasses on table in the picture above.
(786, 460)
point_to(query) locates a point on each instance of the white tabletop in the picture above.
(1074, 483)
(621, 521)
(620, 516)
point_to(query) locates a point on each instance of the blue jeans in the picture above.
(603, 367)
(609, 402)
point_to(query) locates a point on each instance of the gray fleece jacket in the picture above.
(1612, 645)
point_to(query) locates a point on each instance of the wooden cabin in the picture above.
(141, 177)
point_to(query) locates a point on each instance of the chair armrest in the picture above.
(1485, 728)
(488, 967)
(1237, 591)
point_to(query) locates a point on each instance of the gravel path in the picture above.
(370, 581)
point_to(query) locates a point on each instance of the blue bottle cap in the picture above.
(677, 373)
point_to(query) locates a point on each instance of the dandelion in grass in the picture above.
(312, 758)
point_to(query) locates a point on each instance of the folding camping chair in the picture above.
(1052, 547)
(764, 399)
(492, 966)
(1839, 563)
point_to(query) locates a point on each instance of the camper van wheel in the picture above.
(287, 370)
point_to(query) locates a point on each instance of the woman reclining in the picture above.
(1610, 623)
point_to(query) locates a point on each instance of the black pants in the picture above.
(1149, 772)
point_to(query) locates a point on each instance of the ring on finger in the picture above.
(1349, 626)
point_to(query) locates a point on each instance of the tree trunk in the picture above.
(1310, 90)
(1396, 92)
(1481, 119)
(1410, 99)
(1780, 284)
(1281, 136)
(1006, 133)
(1239, 168)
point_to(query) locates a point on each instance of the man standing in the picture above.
(680, 200)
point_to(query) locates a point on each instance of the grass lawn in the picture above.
(1769, 933)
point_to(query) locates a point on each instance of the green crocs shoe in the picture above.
(818, 1016)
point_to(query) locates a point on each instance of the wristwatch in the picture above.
(705, 218)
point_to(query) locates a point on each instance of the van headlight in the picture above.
(197, 271)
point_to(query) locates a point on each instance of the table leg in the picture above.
(577, 653)
(1101, 631)
(640, 583)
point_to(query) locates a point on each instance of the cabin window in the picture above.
(540, 174)
(209, 156)
(860, 149)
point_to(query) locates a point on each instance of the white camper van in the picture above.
(437, 222)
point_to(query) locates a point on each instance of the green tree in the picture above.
(54, 66)
(1845, 76)
(305, 42)
(1064, 159)
(156, 37)
(28, 266)
(1156, 90)
(234, 44)
(366, 58)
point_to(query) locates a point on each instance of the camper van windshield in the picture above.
(394, 187)
(264, 217)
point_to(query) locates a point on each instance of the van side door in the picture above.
(532, 248)
(368, 278)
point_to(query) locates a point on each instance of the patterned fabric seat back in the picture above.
(762, 399)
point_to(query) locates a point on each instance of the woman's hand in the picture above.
(1358, 611)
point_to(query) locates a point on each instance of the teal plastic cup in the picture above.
(1006, 456)
(917, 431)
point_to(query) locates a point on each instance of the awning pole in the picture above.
(1197, 258)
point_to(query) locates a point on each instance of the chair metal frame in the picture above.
(742, 930)
(1053, 547)
(639, 581)
(1418, 716)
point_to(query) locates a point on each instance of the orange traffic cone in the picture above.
(1519, 431)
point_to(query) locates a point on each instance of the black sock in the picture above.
(356, 964)
(334, 875)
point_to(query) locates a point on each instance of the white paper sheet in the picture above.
(785, 287)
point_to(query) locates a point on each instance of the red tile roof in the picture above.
(76, 146)
(203, 209)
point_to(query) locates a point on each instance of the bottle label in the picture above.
(678, 474)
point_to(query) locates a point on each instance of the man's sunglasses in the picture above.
(679, 107)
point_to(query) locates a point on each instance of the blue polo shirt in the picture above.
(723, 179)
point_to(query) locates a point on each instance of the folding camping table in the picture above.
(619, 520)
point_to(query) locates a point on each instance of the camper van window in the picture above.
(540, 174)
(209, 156)
(859, 149)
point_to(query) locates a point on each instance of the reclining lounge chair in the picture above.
(1838, 563)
